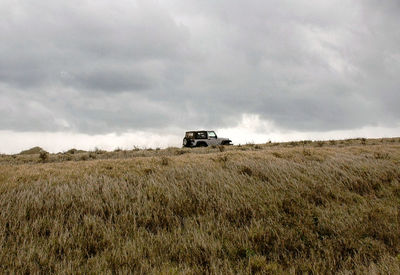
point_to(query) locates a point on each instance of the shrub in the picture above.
(363, 141)
(67, 157)
(84, 157)
(43, 156)
(92, 155)
(320, 143)
(72, 151)
(99, 151)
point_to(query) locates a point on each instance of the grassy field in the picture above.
(300, 207)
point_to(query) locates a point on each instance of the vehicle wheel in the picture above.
(186, 142)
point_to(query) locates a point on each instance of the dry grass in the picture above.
(316, 207)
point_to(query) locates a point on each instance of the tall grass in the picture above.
(288, 208)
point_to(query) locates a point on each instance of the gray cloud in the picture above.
(99, 67)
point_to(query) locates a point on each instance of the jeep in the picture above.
(203, 139)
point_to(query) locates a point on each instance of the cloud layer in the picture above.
(97, 67)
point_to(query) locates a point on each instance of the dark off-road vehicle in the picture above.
(204, 139)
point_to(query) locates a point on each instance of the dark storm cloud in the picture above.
(102, 66)
(110, 80)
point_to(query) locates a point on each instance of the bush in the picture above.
(84, 157)
(43, 156)
(320, 143)
(99, 151)
(93, 155)
(72, 151)
(67, 157)
(363, 141)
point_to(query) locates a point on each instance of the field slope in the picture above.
(316, 207)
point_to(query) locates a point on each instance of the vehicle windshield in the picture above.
(211, 134)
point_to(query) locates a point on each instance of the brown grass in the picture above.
(269, 209)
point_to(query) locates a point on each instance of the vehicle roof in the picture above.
(200, 131)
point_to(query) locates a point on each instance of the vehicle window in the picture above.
(201, 135)
(212, 134)
(189, 135)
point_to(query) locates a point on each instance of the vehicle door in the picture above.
(212, 138)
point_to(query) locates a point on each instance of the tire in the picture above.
(187, 142)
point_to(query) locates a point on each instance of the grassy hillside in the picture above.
(317, 207)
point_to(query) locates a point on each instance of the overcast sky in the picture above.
(123, 73)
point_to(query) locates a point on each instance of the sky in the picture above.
(119, 74)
